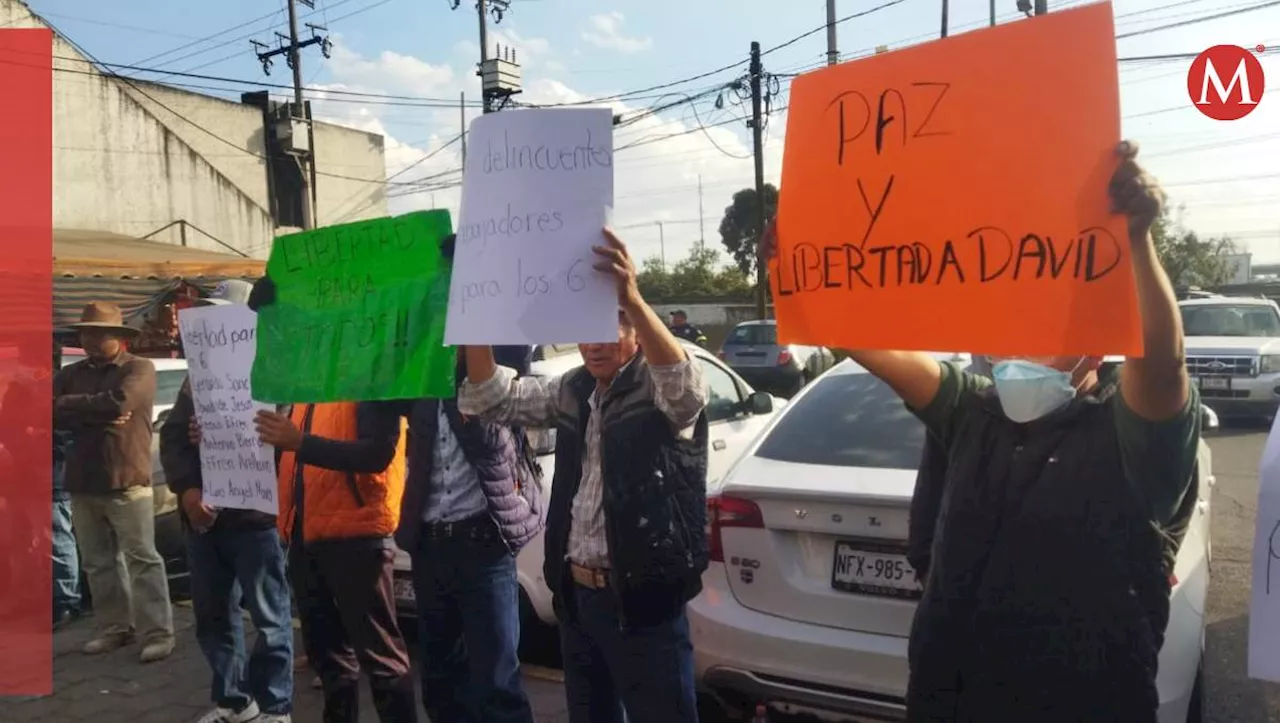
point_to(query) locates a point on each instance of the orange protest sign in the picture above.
(953, 196)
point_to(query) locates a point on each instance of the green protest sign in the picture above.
(359, 314)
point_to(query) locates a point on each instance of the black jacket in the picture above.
(655, 497)
(1047, 595)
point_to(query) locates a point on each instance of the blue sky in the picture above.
(573, 50)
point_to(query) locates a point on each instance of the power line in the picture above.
(236, 39)
(1193, 21)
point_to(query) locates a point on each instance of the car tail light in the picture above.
(784, 358)
(725, 512)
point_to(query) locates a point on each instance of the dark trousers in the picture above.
(66, 559)
(469, 621)
(228, 566)
(648, 671)
(347, 607)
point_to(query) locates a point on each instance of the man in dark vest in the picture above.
(626, 530)
(1067, 495)
(471, 502)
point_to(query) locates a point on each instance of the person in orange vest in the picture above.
(341, 476)
(341, 472)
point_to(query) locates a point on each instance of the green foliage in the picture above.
(738, 227)
(1188, 259)
(699, 275)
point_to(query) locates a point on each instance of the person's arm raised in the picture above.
(661, 347)
(1154, 386)
(914, 376)
(498, 396)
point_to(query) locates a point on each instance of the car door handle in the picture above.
(718, 445)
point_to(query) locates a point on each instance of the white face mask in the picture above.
(1029, 391)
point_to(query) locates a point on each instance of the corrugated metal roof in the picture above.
(105, 254)
(135, 274)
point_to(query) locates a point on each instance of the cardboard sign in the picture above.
(359, 314)
(536, 193)
(238, 470)
(954, 196)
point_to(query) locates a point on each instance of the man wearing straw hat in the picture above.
(106, 402)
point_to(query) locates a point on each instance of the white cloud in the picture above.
(655, 180)
(390, 70)
(605, 31)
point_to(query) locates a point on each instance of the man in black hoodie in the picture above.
(226, 547)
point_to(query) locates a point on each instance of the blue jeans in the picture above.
(648, 671)
(66, 560)
(469, 631)
(227, 564)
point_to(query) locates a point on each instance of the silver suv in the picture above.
(1233, 353)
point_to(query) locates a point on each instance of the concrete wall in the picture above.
(129, 158)
(355, 154)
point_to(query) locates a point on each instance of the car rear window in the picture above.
(847, 420)
(762, 334)
(1230, 320)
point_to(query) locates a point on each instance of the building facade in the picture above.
(154, 161)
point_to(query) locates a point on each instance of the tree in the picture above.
(699, 275)
(1188, 259)
(738, 227)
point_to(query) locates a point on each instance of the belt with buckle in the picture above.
(589, 577)
(479, 527)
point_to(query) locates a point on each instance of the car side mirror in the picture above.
(543, 441)
(759, 403)
(1208, 418)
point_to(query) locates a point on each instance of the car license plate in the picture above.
(403, 587)
(873, 569)
(1215, 382)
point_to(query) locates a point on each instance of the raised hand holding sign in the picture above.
(930, 190)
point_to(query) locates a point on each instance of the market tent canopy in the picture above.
(135, 274)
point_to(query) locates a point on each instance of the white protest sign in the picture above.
(239, 471)
(1264, 609)
(536, 191)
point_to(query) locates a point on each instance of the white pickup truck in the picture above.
(1233, 353)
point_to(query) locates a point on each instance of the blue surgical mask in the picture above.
(1029, 391)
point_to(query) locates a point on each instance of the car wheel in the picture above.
(1195, 711)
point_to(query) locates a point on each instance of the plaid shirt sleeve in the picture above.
(505, 398)
(680, 392)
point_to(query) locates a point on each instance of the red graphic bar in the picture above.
(26, 362)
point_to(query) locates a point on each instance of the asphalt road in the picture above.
(1230, 695)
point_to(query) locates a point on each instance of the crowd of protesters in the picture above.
(1063, 582)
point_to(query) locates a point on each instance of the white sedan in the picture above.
(736, 414)
(785, 621)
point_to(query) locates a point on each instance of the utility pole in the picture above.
(757, 145)
(833, 55)
(499, 77)
(462, 110)
(993, 13)
(295, 135)
(1025, 6)
(662, 244)
(702, 224)
(945, 7)
(481, 7)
